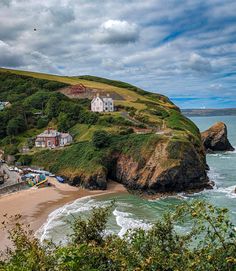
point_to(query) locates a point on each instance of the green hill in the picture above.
(41, 100)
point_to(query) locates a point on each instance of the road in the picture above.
(13, 176)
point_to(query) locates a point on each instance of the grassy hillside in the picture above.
(132, 95)
(37, 102)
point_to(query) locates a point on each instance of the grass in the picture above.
(178, 122)
(84, 132)
(83, 158)
(80, 158)
(129, 92)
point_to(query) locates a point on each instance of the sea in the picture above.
(131, 211)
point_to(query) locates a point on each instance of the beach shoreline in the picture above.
(34, 205)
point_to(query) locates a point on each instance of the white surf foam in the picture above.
(232, 151)
(126, 222)
(215, 176)
(229, 191)
(58, 217)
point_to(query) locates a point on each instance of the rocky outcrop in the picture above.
(166, 166)
(162, 171)
(215, 138)
(94, 181)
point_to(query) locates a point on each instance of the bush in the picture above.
(42, 122)
(111, 120)
(208, 245)
(16, 126)
(25, 160)
(127, 131)
(11, 149)
(64, 122)
(101, 139)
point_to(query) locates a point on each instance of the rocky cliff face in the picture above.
(161, 172)
(167, 166)
(216, 139)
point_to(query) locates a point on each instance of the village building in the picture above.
(65, 138)
(102, 104)
(52, 138)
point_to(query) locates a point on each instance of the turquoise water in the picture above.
(131, 211)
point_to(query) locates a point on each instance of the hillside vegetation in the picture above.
(37, 102)
(209, 244)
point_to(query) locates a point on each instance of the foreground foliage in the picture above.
(209, 244)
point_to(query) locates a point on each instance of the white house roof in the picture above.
(39, 140)
(49, 133)
(102, 98)
(64, 135)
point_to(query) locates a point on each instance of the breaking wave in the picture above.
(59, 217)
(126, 222)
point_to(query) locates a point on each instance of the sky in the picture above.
(185, 49)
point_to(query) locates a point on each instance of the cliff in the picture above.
(152, 146)
(149, 163)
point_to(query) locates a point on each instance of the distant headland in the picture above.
(209, 112)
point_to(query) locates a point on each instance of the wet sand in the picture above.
(34, 205)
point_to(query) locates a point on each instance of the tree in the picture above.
(16, 126)
(38, 99)
(101, 139)
(64, 122)
(42, 122)
(51, 109)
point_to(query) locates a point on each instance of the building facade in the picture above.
(52, 138)
(102, 104)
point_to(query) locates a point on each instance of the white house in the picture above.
(102, 104)
(65, 138)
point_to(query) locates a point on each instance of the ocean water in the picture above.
(131, 211)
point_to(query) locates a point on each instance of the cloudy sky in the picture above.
(185, 49)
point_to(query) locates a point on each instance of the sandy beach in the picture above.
(34, 205)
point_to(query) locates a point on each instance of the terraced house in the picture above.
(52, 138)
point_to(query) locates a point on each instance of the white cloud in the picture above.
(160, 46)
(9, 56)
(199, 63)
(116, 31)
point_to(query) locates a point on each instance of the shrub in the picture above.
(11, 149)
(64, 122)
(42, 122)
(16, 126)
(126, 131)
(209, 244)
(101, 139)
(25, 160)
